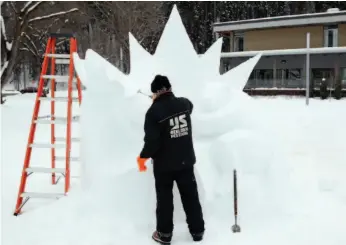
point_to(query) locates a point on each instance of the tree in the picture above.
(324, 89)
(22, 17)
(338, 87)
(110, 24)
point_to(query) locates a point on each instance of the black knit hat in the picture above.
(160, 83)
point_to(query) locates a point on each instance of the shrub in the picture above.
(338, 89)
(324, 90)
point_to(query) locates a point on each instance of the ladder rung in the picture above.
(61, 56)
(62, 61)
(58, 99)
(42, 195)
(45, 170)
(72, 159)
(63, 139)
(58, 120)
(59, 78)
(44, 117)
(47, 145)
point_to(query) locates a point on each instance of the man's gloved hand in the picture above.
(141, 164)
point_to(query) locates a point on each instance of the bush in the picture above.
(324, 90)
(338, 89)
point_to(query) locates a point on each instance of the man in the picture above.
(168, 141)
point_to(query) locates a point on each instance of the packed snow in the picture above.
(289, 157)
(120, 206)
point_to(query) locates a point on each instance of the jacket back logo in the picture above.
(179, 126)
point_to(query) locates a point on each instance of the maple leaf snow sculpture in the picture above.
(113, 111)
(193, 76)
(118, 106)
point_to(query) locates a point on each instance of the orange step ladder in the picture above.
(53, 58)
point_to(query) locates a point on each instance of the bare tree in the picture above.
(102, 26)
(20, 18)
(111, 22)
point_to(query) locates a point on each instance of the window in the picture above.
(252, 75)
(226, 43)
(331, 36)
(325, 73)
(319, 75)
(267, 74)
(239, 42)
(343, 76)
(289, 78)
(264, 78)
(294, 74)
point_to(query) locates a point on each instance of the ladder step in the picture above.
(42, 195)
(44, 117)
(47, 145)
(45, 170)
(58, 99)
(59, 78)
(62, 61)
(58, 56)
(63, 139)
(58, 120)
(72, 159)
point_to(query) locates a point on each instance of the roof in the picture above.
(331, 17)
(299, 51)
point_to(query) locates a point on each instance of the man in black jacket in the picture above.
(168, 141)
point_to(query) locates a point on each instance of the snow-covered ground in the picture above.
(313, 195)
(290, 158)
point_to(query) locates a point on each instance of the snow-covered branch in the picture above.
(3, 30)
(31, 42)
(25, 6)
(4, 66)
(3, 33)
(52, 15)
(25, 12)
(28, 49)
(30, 6)
(13, 7)
(34, 6)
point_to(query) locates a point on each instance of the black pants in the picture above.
(187, 186)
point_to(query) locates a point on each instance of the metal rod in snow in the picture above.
(307, 68)
(235, 227)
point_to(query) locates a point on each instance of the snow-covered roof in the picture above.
(299, 51)
(329, 17)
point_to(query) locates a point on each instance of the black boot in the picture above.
(163, 238)
(197, 237)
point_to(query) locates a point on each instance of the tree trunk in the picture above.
(114, 52)
(91, 36)
(20, 28)
(2, 101)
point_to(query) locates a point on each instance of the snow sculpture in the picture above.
(113, 114)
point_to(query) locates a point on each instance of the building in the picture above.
(283, 43)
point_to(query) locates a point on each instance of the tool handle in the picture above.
(235, 194)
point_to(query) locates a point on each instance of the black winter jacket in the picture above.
(168, 133)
